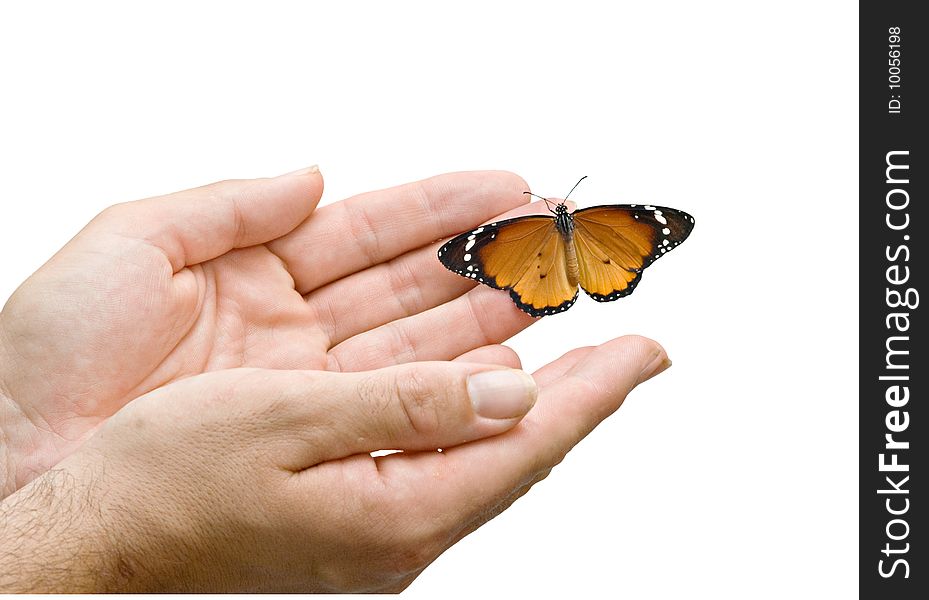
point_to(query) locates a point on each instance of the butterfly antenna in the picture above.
(575, 186)
(546, 200)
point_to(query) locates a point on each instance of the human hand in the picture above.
(240, 274)
(260, 480)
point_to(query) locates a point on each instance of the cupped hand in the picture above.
(261, 480)
(241, 274)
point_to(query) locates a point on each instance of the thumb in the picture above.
(414, 406)
(196, 225)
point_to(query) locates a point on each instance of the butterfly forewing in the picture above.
(525, 255)
(616, 242)
(463, 254)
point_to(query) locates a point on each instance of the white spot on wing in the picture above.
(660, 218)
(470, 244)
(467, 257)
(665, 231)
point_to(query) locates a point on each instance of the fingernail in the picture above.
(304, 171)
(656, 366)
(503, 394)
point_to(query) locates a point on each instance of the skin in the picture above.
(190, 390)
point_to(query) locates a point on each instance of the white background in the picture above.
(732, 475)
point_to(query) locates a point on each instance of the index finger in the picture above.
(368, 229)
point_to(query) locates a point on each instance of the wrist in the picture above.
(22, 452)
(53, 539)
(10, 422)
(27, 450)
(10, 432)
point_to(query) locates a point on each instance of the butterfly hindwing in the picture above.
(615, 243)
(545, 287)
(524, 255)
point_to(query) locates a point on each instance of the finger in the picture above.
(202, 223)
(401, 287)
(495, 354)
(481, 317)
(568, 408)
(558, 368)
(371, 228)
(420, 406)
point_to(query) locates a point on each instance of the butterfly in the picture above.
(541, 259)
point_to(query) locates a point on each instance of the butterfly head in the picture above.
(560, 207)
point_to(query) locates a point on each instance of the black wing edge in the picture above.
(617, 294)
(451, 254)
(542, 312)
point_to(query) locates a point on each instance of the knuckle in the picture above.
(412, 554)
(115, 212)
(642, 343)
(375, 391)
(396, 530)
(420, 399)
(399, 344)
(404, 287)
(363, 231)
(414, 544)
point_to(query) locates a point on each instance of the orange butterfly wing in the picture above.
(615, 243)
(525, 255)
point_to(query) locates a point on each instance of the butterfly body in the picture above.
(542, 259)
(564, 224)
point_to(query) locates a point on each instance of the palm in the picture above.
(258, 318)
(156, 291)
(240, 309)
